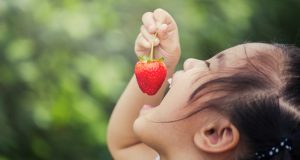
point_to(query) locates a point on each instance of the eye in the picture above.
(207, 63)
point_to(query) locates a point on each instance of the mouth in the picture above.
(146, 108)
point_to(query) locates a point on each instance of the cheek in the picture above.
(169, 110)
(178, 94)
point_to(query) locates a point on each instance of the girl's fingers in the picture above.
(148, 36)
(159, 22)
(163, 32)
(171, 27)
(164, 23)
(149, 22)
(162, 17)
(141, 44)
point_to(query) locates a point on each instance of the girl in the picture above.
(242, 104)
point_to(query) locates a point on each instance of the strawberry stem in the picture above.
(152, 47)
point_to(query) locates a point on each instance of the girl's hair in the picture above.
(262, 99)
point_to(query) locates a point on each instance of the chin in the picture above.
(139, 127)
(143, 131)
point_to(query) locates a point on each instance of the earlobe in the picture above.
(219, 136)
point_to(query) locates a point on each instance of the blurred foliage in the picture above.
(64, 63)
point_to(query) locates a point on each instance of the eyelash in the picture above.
(207, 63)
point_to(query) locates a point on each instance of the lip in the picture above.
(146, 108)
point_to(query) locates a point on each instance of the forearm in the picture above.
(120, 129)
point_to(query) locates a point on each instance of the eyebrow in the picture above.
(220, 55)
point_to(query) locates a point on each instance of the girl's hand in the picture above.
(166, 41)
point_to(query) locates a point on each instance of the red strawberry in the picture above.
(150, 74)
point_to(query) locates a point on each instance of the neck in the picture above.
(192, 154)
(182, 153)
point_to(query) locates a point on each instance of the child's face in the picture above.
(195, 72)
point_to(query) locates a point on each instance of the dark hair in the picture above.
(262, 99)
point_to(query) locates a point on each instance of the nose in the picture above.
(192, 62)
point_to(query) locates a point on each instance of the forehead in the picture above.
(232, 60)
(231, 56)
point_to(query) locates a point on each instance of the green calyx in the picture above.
(145, 58)
(150, 58)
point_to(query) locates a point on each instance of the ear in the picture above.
(218, 136)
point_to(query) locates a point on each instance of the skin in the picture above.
(141, 126)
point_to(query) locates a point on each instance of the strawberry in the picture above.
(150, 74)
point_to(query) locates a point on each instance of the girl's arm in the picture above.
(122, 142)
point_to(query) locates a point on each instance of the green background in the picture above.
(64, 63)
